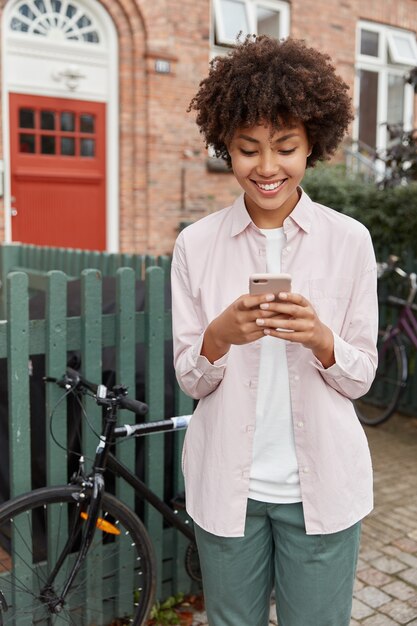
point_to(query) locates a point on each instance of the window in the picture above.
(384, 59)
(59, 133)
(255, 17)
(57, 20)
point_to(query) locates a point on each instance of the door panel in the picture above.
(58, 172)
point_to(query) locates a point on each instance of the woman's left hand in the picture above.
(297, 321)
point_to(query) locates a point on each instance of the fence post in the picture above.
(18, 382)
(9, 257)
(91, 355)
(19, 418)
(55, 364)
(125, 328)
(155, 385)
(183, 406)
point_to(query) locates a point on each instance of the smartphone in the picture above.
(269, 283)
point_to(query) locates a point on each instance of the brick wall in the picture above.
(163, 162)
(179, 186)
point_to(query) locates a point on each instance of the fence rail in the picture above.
(36, 261)
(33, 345)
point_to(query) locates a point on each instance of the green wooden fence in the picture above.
(21, 339)
(36, 261)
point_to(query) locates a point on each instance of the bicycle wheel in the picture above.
(382, 399)
(115, 584)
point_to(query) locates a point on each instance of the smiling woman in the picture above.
(277, 467)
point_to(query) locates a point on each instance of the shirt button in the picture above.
(296, 378)
(305, 470)
(300, 424)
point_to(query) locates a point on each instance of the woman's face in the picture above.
(269, 167)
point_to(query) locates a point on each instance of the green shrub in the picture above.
(389, 214)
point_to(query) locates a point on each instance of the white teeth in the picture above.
(271, 186)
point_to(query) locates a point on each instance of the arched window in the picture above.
(58, 20)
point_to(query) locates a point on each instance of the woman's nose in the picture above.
(268, 165)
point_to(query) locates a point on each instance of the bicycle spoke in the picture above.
(30, 600)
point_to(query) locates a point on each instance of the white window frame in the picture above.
(218, 32)
(395, 53)
(384, 68)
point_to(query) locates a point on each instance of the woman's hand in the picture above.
(236, 325)
(294, 319)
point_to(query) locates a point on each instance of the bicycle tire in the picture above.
(383, 397)
(116, 583)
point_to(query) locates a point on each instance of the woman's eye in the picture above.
(247, 152)
(287, 151)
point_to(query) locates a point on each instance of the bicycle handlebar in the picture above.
(73, 379)
(172, 423)
(391, 265)
(136, 406)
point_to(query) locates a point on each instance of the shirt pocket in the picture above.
(331, 298)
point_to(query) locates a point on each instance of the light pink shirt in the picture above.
(332, 263)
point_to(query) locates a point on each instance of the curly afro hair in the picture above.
(263, 80)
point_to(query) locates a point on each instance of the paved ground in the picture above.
(386, 584)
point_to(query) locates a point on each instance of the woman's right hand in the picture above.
(236, 325)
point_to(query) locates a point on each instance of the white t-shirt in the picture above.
(274, 472)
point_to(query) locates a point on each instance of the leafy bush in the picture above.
(389, 214)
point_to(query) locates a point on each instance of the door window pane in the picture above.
(83, 22)
(88, 147)
(71, 10)
(27, 143)
(268, 22)
(47, 144)
(368, 97)
(40, 5)
(19, 26)
(26, 118)
(67, 146)
(47, 120)
(87, 123)
(68, 121)
(369, 42)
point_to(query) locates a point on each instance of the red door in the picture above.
(58, 172)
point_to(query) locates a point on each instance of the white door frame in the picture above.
(37, 65)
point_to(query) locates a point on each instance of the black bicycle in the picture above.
(75, 554)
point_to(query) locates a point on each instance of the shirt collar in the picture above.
(302, 213)
(240, 216)
(300, 216)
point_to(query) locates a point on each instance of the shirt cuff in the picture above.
(344, 359)
(209, 370)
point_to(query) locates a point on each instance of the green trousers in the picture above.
(313, 575)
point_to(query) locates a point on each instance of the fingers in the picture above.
(294, 319)
(249, 302)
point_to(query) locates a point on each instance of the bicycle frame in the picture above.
(94, 483)
(169, 514)
(406, 322)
